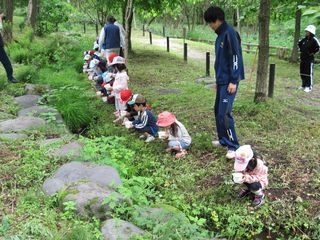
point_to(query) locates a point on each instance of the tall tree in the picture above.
(32, 12)
(128, 26)
(297, 29)
(8, 6)
(263, 59)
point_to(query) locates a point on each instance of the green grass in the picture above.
(284, 130)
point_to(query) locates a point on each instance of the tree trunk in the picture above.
(238, 21)
(294, 54)
(32, 13)
(128, 24)
(263, 59)
(7, 33)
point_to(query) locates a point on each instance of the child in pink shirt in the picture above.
(120, 82)
(252, 172)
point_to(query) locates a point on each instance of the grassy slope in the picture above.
(199, 185)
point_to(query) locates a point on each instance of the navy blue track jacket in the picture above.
(229, 62)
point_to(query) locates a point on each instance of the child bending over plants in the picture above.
(175, 132)
(252, 173)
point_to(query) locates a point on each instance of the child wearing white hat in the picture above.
(308, 46)
(252, 172)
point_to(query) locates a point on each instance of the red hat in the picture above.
(91, 52)
(112, 56)
(165, 119)
(125, 95)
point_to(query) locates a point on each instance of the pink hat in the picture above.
(117, 60)
(165, 119)
(243, 155)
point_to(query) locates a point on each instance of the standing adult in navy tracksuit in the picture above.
(229, 71)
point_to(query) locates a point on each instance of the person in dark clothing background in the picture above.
(110, 38)
(308, 46)
(229, 71)
(4, 59)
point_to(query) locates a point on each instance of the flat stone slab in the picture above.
(27, 101)
(114, 229)
(20, 124)
(206, 80)
(70, 150)
(6, 116)
(89, 199)
(169, 91)
(36, 89)
(13, 136)
(81, 171)
(45, 112)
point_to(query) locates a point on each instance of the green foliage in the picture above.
(52, 13)
(27, 74)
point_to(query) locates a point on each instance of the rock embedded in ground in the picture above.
(45, 112)
(36, 89)
(81, 171)
(27, 101)
(114, 229)
(21, 124)
(87, 185)
(13, 136)
(70, 150)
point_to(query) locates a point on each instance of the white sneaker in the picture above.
(307, 89)
(150, 139)
(142, 136)
(216, 143)
(231, 154)
(105, 99)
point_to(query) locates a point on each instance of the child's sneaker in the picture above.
(258, 200)
(142, 136)
(243, 193)
(181, 154)
(231, 154)
(307, 89)
(150, 139)
(105, 99)
(216, 143)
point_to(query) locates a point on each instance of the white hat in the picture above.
(243, 155)
(311, 29)
(87, 57)
(118, 60)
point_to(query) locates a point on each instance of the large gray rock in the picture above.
(36, 89)
(13, 136)
(6, 116)
(70, 150)
(42, 112)
(86, 184)
(27, 101)
(77, 171)
(115, 229)
(21, 124)
(89, 199)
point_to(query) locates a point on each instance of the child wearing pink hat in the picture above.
(120, 83)
(176, 133)
(252, 172)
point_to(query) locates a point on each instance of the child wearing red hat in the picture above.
(146, 123)
(252, 172)
(175, 132)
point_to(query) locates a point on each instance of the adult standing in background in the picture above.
(229, 71)
(122, 37)
(4, 59)
(109, 40)
(308, 46)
